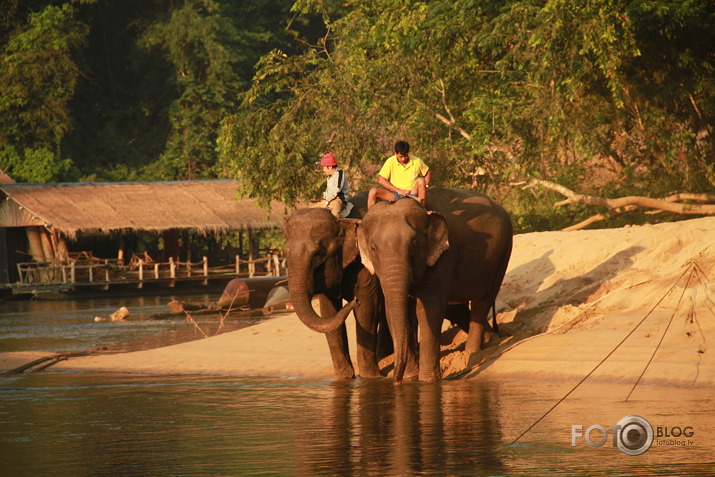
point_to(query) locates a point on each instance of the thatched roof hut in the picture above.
(68, 209)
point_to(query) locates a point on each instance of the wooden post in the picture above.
(250, 245)
(58, 245)
(172, 268)
(156, 270)
(106, 270)
(251, 263)
(277, 265)
(238, 264)
(46, 245)
(206, 266)
(90, 269)
(34, 240)
(141, 273)
(73, 273)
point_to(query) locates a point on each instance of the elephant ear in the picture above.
(437, 237)
(364, 255)
(350, 245)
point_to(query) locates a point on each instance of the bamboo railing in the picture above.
(108, 271)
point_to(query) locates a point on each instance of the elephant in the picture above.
(453, 251)
(322, 256)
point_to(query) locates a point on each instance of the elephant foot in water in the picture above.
(412, 372)
(371, 374)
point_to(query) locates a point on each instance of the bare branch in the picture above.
(679, 197)
(599, 217)
(449, 122)
(452, 125)
(667, 205)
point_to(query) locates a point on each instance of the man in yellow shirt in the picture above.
(401, 176)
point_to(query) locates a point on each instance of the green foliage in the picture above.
(38, 79)
(195, 39)
(131, 90)
(608, 97)
(34, 165)
(605, 95)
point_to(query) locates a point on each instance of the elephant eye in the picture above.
(319, 257)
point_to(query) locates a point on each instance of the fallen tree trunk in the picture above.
(672, 203)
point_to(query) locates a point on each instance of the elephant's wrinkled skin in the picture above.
(322, 256)
(457, 254)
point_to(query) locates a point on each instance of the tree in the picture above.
(490, 92)
(150, 80)
(208, 50)
(37, 81)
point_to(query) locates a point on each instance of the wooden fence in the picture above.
(93, 271)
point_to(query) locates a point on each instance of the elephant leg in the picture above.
(366, 317)
(478, 325)
(366, 290)
(337, 342)
(412, 367)
(385, 346)
(430, 313)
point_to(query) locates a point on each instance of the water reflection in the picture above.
(85, 424)
(60, 423)
(376, 428)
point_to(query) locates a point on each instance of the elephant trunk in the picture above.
(395, 287)
(300, 287)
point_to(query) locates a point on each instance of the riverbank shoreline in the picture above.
(626, 305)
(244, 353)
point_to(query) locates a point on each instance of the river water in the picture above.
(80, 423)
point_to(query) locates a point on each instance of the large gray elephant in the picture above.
(457, 254)
(322, 256)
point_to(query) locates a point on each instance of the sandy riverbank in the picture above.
(569, 299)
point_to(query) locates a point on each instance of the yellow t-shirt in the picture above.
(403, 177)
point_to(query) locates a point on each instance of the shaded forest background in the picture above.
(605, 97)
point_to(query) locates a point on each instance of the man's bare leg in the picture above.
(378, 193)
(420, 190)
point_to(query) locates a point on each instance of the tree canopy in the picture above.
(606, 97)
(132, 90)
(609, 96)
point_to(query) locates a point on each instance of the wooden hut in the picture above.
(37, 221)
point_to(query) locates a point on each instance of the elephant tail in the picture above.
(495, 325)
(500, 274)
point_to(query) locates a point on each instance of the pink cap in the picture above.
(328, 160)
